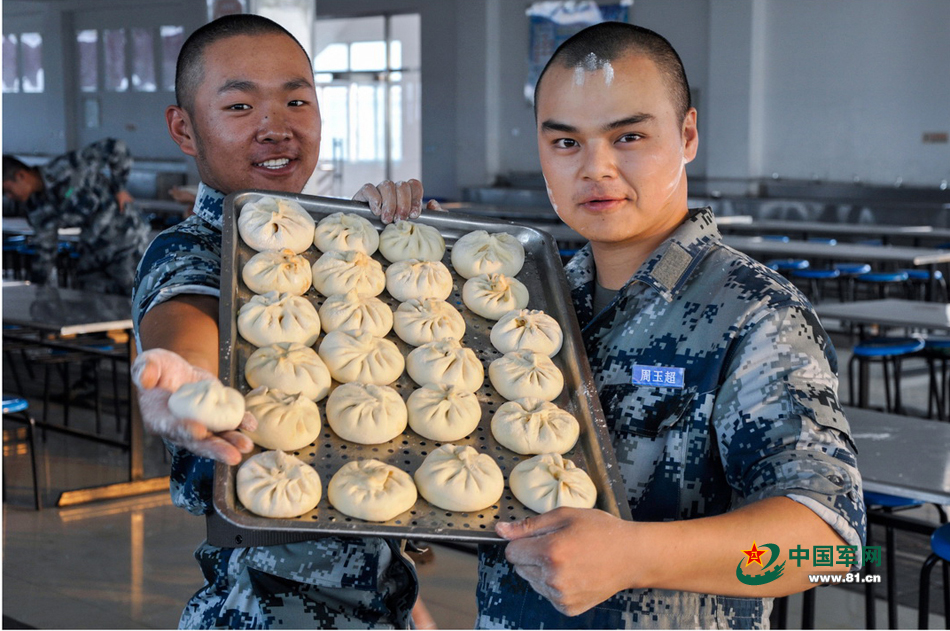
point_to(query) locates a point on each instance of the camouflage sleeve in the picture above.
(45, 220)
(183, 260)
(112, 153)
(780, 427)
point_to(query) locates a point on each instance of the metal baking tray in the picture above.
(544, 277)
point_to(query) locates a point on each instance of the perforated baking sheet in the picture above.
(544, 277)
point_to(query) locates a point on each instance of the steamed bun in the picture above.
(459, 478)
(371, 490)
(521, 374)
(443, 412)
(341, 232)
(482, 252)
(419, 322)
(210, 402)
(340, 272)
(549, 481)
(416, 279)
(361, 357)
(403, 240)
(533, 426)
(272, 318)
(493, 295)
(288, 367)
(366, 413)
(277, 484)
(284, 421)
(527, 330)
(356, 312)
(281, 271)
(446, 362)
(272, 223)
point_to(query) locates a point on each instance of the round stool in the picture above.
(15, 410)
(815, 278)
(848, 273)
(781, 238)
(920, 280)
(883, 280)
(823, 240)
(887, 350)
(940, 545)
(786, 266)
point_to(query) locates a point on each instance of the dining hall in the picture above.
(469, 314)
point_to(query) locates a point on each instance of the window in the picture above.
(11, 70)
(113, 43)
(31, 52)
(172, 39)
(143, 61)
(23, 63)
(120, 46)
(88, 53)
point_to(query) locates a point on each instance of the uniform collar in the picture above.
(209, 205)
(670, 265)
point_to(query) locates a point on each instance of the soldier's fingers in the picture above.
(248, 423)
(240, 441)
(215, 448)
(370, 194)
(387, 189)
(404, 201)
(434, 205)
(415, 207)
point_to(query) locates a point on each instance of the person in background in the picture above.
(718, 383)
(84, 189)
(247, 112)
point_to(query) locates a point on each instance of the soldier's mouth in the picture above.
(276, 163)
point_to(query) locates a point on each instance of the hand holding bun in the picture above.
(210, 402)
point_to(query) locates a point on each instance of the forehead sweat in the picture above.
(589, 64)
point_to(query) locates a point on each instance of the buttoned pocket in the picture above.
(646, 410)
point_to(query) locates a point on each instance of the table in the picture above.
(840, 230)
(21, 227)
(72, 311)
(902, 455)
(932, 316)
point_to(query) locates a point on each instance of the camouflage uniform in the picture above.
(77, 193)
(757, 416)
(331, 582)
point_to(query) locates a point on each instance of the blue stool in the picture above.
(920, 281)
(787, 266)
(781, 238)
(15, 410)
(883, 505)
(883, 281)
(940, 544)
(849, 271)
(885, 350)
(814, 278)
(823, 240)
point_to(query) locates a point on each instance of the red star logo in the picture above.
(755, 555)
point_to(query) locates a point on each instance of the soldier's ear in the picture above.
(181, 129)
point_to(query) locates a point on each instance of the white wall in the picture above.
(825, 88)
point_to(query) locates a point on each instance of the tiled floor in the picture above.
(128, 563)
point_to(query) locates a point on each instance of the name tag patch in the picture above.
(658, 376)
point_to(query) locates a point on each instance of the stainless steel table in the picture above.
(66, 312)
(902, 455)
(931, 316)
